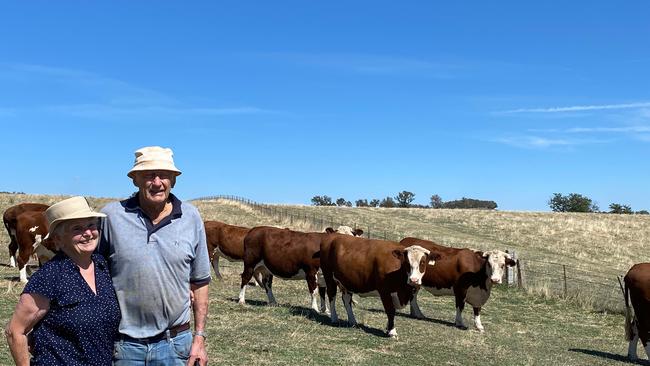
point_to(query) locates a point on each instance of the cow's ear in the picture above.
(399, 254)
(358, 232)
(329, 230)
(483, 254)
(510, 262)
(433, 257)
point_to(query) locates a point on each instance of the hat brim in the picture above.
(153, 166)
(81, 215)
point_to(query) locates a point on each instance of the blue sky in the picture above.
(279, 101)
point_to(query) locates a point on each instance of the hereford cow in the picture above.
(9, 220)
(637, 322)
(464, 273)
(225, 241)
(31, 229)
(369, 267)
(287, 254)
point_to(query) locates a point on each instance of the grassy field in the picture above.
(521, 329)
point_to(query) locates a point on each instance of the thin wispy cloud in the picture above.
(368, 63)
(108, 98)
(537, 142)
(580, 108)
(110, 111)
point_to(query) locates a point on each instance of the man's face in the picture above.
(154, 185)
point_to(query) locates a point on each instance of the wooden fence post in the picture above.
(520, 272)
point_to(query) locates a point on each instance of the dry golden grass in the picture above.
(521, 329)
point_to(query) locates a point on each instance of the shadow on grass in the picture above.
(609, 356)
(431, 320)
(325, 320)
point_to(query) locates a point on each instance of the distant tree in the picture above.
(342, 202)
(470, 203)
(361, 203)
(573, 202)
(617, 208)
(404, 199)
(322, 201)
(374, 202)
(642, 212)
(387, 202)
(436, 201)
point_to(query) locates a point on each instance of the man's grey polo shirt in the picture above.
(152, 266)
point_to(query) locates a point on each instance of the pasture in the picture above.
(522, 328)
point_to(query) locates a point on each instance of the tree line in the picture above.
(575, 202)
(404, 199)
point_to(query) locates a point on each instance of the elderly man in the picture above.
(157, 253)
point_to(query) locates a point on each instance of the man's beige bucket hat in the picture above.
(154, 158)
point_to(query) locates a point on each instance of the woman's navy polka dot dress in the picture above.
(80, 327)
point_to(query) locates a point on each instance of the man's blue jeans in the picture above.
(166, 352)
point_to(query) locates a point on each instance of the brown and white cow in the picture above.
(464, 273)
(9, 221)
(637, 322)
(225, 241)
(286, 254)
(31, 229)
(369, 267)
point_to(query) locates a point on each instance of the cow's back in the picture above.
(365, 265)
(229, 239)
(283, 251)
(9, 217)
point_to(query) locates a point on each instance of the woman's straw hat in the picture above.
(72, 208)
(154, 158)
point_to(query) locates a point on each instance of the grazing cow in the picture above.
(31, 229)
(637, 322)
(464, 273)
(224, 241)
(372, 267)
(287, 254)
(9, 220)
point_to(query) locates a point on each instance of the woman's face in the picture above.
(79, 236)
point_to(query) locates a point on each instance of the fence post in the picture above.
(565, 285)
(510, 272)
(520, 277)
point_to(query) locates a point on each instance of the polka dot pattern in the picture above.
(80, 327)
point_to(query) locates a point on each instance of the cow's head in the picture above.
(346, 230)
(496, 264)
(417, 259)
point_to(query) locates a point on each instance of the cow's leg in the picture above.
(312, 285)
(258, 276)
(389, 307)
(267, 284)
(460, 305)
(415, 309)
(477, 319)
(246, 276)
(215, 266)
(331, 295)
(13, 248)
(322, 290)
(347, 302)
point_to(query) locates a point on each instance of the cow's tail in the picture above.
(629, 316)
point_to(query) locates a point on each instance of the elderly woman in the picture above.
(69, 305)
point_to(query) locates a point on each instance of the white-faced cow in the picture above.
(637, 322)
(286, 254)
(369, 267)
(31, 229)
(464, 273)
(9, 221)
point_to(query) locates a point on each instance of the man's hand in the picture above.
(198, 353)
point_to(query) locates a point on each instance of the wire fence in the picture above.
(587, 288)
